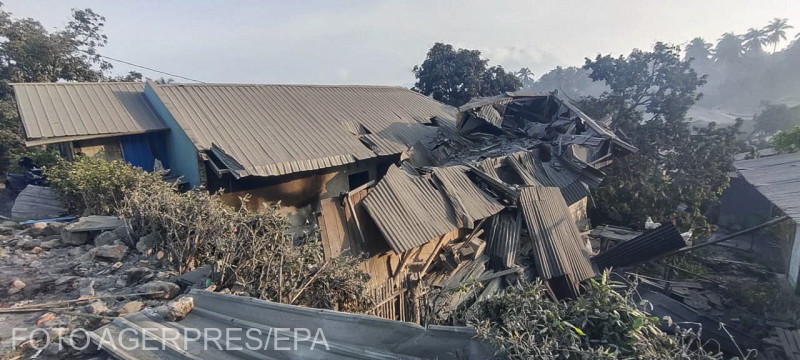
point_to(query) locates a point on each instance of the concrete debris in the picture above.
(130, 307)
(159, 289)
(16, 286)
(88, 282)
(177, 309)
(146, 243)
(96, 308)
(111, 253)
(106, 238)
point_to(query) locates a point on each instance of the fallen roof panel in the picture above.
(408, 210)
(557, 244)
(661, 240)
(465, 196)
(503, 231)
(55, 112)
(250, 328)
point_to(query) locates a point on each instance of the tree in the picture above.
(787, 141)
(132, 76)
(572, 82)
(776, 117)
(30, 53)
(525, 76)
(679, 171)
(754, 40)
(456, 76)
(729, 48)
(776, 31)
(699, 51)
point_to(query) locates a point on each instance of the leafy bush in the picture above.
(97, 186)
(249, 251)
(603, 323)
(10, 142)
(787, 141)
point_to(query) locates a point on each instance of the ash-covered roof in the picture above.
(56, 112)
(267, 130)
(777, 178)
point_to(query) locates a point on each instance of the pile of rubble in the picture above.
(498, 197)
(59, 277)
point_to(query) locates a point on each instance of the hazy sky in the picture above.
(378, 42)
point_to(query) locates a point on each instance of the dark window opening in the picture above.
(357, 179)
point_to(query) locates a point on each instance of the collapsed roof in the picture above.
(509, 168)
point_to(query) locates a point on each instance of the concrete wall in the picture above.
(181, 152)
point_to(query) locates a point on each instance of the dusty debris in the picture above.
(16, 286)
(159, 289)
(130, 307)
(177, 309)
(111, 253)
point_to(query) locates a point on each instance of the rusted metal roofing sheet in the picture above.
(466, 198)
(777, 178)
(56, 112)
(661, 240)
(223, 326)
(280, 129)
(409, 210)
(557, 244)
(502, 238)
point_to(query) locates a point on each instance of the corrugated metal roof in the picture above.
(502, 238)
(55, 112)
(557, 244)
(248, 328)
(550, 174)
(777, 178)
(281, 129)
(661, 240)
(466, 198)
(408, 210)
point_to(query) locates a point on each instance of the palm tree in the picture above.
(699, 50)
(776, 31)
(754, 40)
(525, 75)
(729, 48)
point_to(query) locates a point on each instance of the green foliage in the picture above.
(606, 322)
(776, 117)
(573, 82)
(31, 53)
(787, 141)
(678, 172)
(456, 76)
(10, 142)
(249, 251)
(96, 186)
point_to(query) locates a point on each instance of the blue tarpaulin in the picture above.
(141, 150)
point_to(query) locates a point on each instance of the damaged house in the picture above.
(432, 198)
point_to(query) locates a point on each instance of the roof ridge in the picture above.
(75, 83)
(283, 85)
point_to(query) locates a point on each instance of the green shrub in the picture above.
(248, 250)
(96, 186)
(603, 323)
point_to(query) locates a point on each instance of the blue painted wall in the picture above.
(181, 152)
